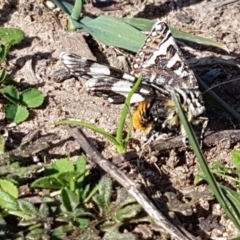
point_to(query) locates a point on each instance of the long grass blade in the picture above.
(125, 110)
(219, 194)
(89, 126)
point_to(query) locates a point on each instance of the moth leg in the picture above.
(204, 121)
(200, 120)
(154, 136)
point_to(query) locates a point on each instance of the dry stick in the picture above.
(226, 2)
(159, 219)
(211, 138)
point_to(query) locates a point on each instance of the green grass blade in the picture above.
(203, 163)
(113, 32)
(89, 126)
(140, 23)
(197, 39)
(124, 33)
(234, 203)
(146, 25)
(126, 110)
(129, 132)
(77, 10)
(3, 75)
(64, 6)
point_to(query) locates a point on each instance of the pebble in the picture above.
(20, 62)
(50, 5)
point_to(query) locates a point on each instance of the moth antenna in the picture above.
(232, 80)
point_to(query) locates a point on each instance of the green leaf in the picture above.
(197, 39)
(16, 113)
(236, 158)
(219, 168)
(11, 93)
(60, 232)
(103, 199)
(7, 201)
(43, 210)
(115, 234)
(77, 9)
(64, 6)
(2, 144)
(90, 126)
(81, 164)
(47, 182)
(122, 146)
(113, 32)
(85, 192)
(36, 234)
(68, 179)
(32, 98)
(123, 198)
(70, 199)
(209, 177)
(3, 75)
(61, 165)
(10, 37)
(28, 208)
(140, 23)
(105, 188)
(83, 222)
(9, 188)
(146, 25)
(127, 212)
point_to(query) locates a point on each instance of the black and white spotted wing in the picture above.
(106, 81)
(161, 60)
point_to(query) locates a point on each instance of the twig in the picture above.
(226, 2)
(211, 139)
(159, 219)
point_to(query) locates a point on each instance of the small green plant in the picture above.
(17, 111)
(118, 213)
(8, 38)
(30, 98)
(226, 173)
(119, 32)
(69, 211)
(225, 196)
(64, 174)
(73, 202)
(118, 141)
(3, 75)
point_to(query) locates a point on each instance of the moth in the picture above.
(164, 70)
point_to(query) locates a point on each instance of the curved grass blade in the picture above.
(125, 111)
(113, 32)
(77, 10)
(146, 25)
(218, 192)
(64, 6)
(89, 126)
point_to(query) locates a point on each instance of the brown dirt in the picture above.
(34, 61)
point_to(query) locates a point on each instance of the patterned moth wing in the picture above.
(105, 81)
(162, 61)
(163, 66)
(164, 70)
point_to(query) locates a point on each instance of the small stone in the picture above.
(20, 62)
(50, 5)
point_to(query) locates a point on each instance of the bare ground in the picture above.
(169, 175)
